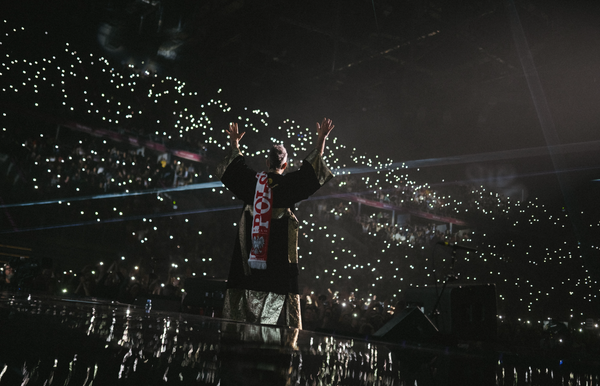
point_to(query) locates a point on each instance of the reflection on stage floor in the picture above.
(49, 340)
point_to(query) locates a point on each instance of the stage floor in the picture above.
(63, 341)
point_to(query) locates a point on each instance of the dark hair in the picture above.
(277, 156)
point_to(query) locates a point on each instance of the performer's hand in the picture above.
(234, 135)
(323, 129)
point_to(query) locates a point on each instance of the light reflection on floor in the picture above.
(47, 340)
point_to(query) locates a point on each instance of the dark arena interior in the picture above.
(457, 244)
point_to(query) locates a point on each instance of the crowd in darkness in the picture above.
(74, 164)
(64, 165)
(53, 167)
(69, 164)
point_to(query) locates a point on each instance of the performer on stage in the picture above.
(263, 278)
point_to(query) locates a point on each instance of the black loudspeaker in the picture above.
(466, 312)
(204, 296)
(409, 324)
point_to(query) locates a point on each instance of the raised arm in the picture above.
(234, 135)
(234, 151)
(323, 130)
